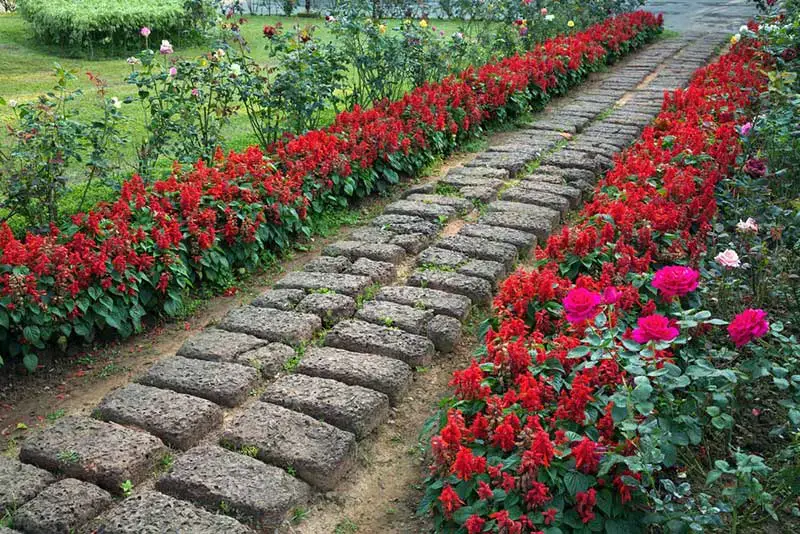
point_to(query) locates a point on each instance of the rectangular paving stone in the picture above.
(218, 479)
(482, 173)
(355, 409)
(538, 198)
(280, 299)
(522, 240)
(319, 453)
(480, 248)
(381, 272)
(405, 224)
(479, 193)
(219, 345)
(570, 174)
(441, 257)
(411, 243)
(509, 161)
(478, 290)
(106, 454)
(461, 205)
(572, 194)
(440, 302)
(269, 360)
(492, 271)
(386, 375)
(571, 159)
(328, 264)
(180, 420)
(20, 483)
(395, 315)
(353, 250)
(62, 507)
(280, 326)
(370, 234)
(227, 384)
(540, 225)
(349, 284)
(151, 512)
(420, 209)
(520, 207)
(361, 336)
(467, 180)
(330, 307)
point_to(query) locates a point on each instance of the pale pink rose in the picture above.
(746, 129)
(544, 11)
(145, 31)
(749, 225)
(173, 71)
(728, 258)
(166, 47)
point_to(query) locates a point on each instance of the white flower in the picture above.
(735, 39)
(166, 47)
(236, 69)
(550, 18)
(133, 60)
(115, 102)
(220, 53)
(744, 29)
(728, 258)
(12, 103)
(749, 225)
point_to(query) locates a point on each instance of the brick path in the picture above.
(238, 427)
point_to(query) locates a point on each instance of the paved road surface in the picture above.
(703, 15)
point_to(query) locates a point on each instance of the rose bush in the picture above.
(575, 416)
(139, 255)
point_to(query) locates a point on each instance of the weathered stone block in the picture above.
(440, 302)
(328, 264)
(180, 420)
(105, 454)
(572, 194)
(479, 248)
(320, 453)
(459, 204)
(245, 488)
(374, 251)
(151, 512)
(478, 290)
(355, 409)
(269, 360)
(540, 225)
(538, 198)
(341, 283)
(405, 224)
(287, 327)
(479, 193)
(227, 384)
(391, 314)
(445, 332)
(330, 307)
(522, 240)
(280, 299)
(20, 483)
(386, 375)
(381, 272)
(421, 209)
(62, 507)
(489, 270)
(219, 345)
(435, 256)
(360, 336)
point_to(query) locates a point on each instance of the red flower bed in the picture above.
(139, 255)
(544, 431)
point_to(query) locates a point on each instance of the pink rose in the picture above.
(610, 295)
(676, 281)
(166, 47)
(581, 304)
(728, 258)
(747, 326)
(145, 31)
(757, 168)
(544, 11)
(750, 225)
(654, 328)
(173, 71)
(745, 130)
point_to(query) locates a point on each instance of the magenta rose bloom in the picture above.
(654, 328)
(581, 304)
(757, 168)
(676, 281)
(747, 326)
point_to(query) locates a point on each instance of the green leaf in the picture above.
(30, 361)
(576, 482)
(3, 318)
(32, 334)
(579, 352)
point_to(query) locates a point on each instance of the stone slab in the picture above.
(360, 336)
(318, 452)
(572, 194)
(435, 256)
(245, 488)
(280, 299)
(479, 193)
(570, 174)
(386, 375)
(180, 420)
(412, 243)
(478, 290)
(421, 209)
(522, 240)
(459, 204)
(539, 225)
(291, 328)
(355, 409)
(20, 483)
(481, 249)
(62, 507)
(348, 284)
(405, 224)
(227, 384)
(380, 272)
(440, 302)
(445, 332)
(370, 234)
(105, 454)
(219, 345)
(328, 264)
(330, 307)
(538, 198)
(492, 271)
(269, 360)
(484, 173)
(353, 250)
(512, 162)
(151, 512)
(395, 315)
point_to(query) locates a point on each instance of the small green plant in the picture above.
(291, 364)
(447, 190)
(56, 415)
(346, 526)
(387, 321)
(250, 450)
(298, 515)
(224, 507)
(69, 457)
(127, 488)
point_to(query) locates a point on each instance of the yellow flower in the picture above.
(423, 23)
(382, 28)
(735, 38)
(571, 24)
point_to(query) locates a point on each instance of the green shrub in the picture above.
(85, 25)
